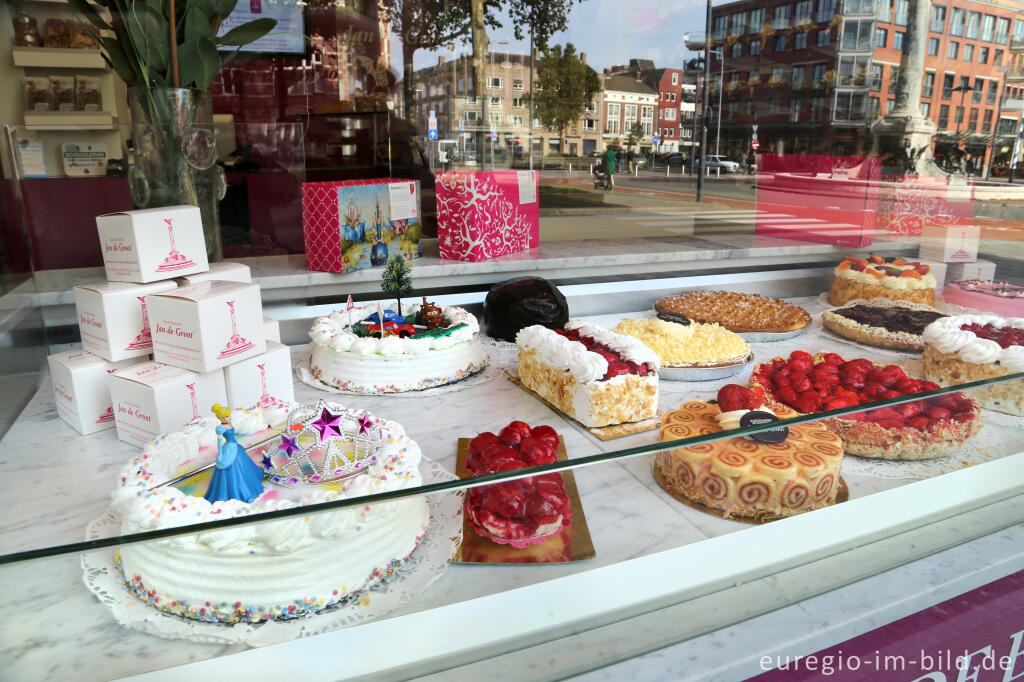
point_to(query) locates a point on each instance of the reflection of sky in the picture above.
(609, 32)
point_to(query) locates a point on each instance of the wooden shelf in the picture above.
(69, 120)
(58, 58)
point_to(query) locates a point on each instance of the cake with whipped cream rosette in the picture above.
(275, 570)
(349, 356)
(595, 376)
(743, 478)
(874, 277)
(965, 348)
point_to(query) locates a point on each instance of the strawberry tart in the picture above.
(525, 511)
(595, 376)
(743, 478)
(1001, 298)
(873, 277)
(967, 348)
(923, 429)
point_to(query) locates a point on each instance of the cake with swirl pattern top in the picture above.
(742, 478)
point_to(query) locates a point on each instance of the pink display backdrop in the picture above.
(828, 199)
(985, 626)
(479, 215)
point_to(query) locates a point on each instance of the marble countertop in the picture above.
(554, 259)
(56, 629)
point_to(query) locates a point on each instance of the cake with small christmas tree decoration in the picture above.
(305, 454)
(373, 349)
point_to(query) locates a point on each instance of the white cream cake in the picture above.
(371, 364)
(276, 570)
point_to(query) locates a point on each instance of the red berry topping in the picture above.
(735, 397)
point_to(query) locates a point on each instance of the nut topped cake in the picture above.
(736, 312)
(692, 345)
(885, 326)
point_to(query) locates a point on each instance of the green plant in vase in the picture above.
(168, 54)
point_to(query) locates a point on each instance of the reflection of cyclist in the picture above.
(609, 168)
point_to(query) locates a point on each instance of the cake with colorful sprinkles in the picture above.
(420, 347)
(283, 569)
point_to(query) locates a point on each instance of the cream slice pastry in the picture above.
(590, 374)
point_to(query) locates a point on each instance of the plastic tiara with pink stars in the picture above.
(322, 443)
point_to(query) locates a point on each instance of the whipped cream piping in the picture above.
(946, 336)
(628, 347)
(896, 283)
(566, 354)
(334, 331)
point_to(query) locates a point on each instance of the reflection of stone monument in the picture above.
(904, 137)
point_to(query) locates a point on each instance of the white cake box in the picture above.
(257, 380)
(152, 244)
(950, 243)
(225, 271)
(81, 388)
(938, 270)
(113, 318)
(271, 329)
(207, 326)
(152, 398)
(979, 269)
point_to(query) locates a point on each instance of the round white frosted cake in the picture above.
(364, 363)
(277, 570)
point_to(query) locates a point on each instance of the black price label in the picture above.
(757, 418)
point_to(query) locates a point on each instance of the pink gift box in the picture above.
(487, 214)
(349, 225)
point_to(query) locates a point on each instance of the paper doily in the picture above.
(984, 447)
(300, 365)
(428, 562)
(940, 305)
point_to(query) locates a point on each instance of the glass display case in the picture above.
(769, 308)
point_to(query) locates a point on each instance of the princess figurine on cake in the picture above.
(235, 476)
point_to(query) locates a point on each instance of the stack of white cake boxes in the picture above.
(168, 335)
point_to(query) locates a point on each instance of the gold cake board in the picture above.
(842, 495)
(572, 543)
(602, 432)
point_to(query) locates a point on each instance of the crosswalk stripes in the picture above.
(709, 222)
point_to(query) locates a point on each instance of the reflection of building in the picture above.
(813, 74)
(624, 102)
(446, 88)
(674, 122)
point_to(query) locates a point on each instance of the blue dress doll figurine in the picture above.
(235, 476)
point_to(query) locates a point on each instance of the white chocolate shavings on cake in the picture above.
(693, 344)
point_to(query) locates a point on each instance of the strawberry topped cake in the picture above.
(923, 429)
(874, 277)
(595, 376)
(524, 511)
(967, 348)
(766, 476)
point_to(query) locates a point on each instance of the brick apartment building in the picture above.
(813, 74)
(623, 102)
(676, 107)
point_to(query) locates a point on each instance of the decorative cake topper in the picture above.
(397, 279)
(322, 444)
(430, 315)
(235, 475)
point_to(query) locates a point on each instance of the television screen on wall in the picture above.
(287, 38)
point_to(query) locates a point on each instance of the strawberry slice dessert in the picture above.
(924, 429)
(524, 511)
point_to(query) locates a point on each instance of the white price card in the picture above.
(403, 200)
(527, 187)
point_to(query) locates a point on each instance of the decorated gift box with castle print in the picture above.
(152, 244)
(355, 224)
(487, 214)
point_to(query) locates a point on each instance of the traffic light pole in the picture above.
(704, 111)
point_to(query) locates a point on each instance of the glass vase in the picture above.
(175, 155)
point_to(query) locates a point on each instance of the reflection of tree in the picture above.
(565, 86)
(423, 25)
(636, 133)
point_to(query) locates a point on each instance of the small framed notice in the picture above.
(84, 159)
(31, 153)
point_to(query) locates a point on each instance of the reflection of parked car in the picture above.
(672, 159)
(715, 161)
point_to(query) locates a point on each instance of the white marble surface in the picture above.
(55, 629)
